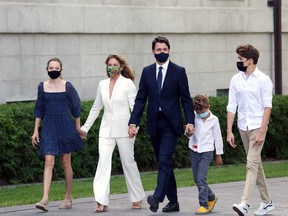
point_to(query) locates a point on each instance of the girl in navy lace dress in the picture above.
(57, 100)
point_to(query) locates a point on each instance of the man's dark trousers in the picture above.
(164, 144)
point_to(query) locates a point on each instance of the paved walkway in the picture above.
(227, 193)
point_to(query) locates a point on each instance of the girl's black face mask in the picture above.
(54, 74)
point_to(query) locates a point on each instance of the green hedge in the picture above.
(21, 163)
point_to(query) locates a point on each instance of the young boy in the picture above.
(207, 137)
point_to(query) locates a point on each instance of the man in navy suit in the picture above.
(165, 85)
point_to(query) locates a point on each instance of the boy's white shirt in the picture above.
(207, 135)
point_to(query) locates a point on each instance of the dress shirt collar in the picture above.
(254, 73)
(164, 66)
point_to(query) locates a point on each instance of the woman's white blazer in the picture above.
(117, 109)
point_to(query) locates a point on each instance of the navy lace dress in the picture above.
(59, 135)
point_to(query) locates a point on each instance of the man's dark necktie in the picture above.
(159, 79)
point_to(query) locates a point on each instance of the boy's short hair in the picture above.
(248, 51)
(201, 101)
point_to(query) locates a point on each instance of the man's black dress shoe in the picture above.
(153, 202)
(171, 207)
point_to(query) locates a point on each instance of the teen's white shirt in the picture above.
(252, 95)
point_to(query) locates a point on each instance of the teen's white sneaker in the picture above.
(264, 208)
(241, 209)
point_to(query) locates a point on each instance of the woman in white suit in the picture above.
(116, 94)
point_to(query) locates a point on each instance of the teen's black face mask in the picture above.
(240, 66)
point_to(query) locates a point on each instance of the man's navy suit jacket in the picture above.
(175, 91)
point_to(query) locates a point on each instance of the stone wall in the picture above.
(203, 36)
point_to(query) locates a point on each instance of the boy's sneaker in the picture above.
(202, 210)
(264, 208)
(211, 204)
(241, 209)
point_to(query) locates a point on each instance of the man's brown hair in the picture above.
(160, 39)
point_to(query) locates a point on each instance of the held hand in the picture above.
(132, 131)
(218, 160)
(189, 130)
(82, 134)
(230, 139)
(35, 138)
